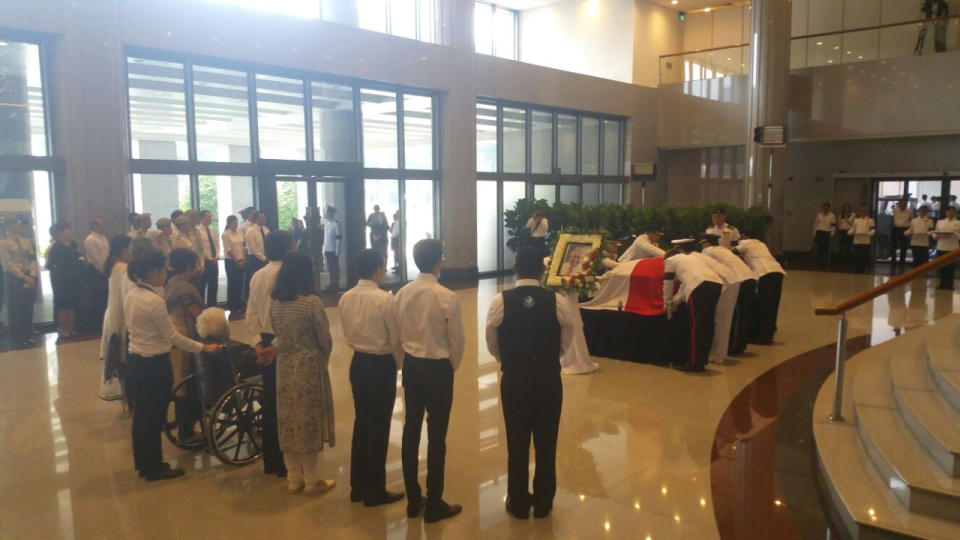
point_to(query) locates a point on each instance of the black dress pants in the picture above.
(269, 436)
(822, 241)
(769, 289)
(697, 320)
(861, 258)
(898, 241)
(531, 406)
(234, 285)
(743, 317)
(149, 379)
(945, 273)
(427, 387)
(921, 255)
(333, 266)
(373, 379)
(211, 282)
(20, 301)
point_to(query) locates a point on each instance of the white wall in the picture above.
(656, 31)
(591, 37)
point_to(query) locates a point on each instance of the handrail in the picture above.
(842, 308)
(821, 34)
(889, 285)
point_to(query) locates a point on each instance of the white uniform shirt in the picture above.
(919, 231)
(96, 249)
(758, 257)
(258, 303)
(845, 223)
(495, 319)
(725, 272)
(824, 222)
(148, 324)
(641, 248)
(431, 325)
(369, 321)
(727, 233)
(242, 229)
(691, 270)
(254, 240)
(730, 259)
(948, 234)
(538, 230)
(233, 244)
(901, 218)
(863, 230)
(331, 236)
(211, 252)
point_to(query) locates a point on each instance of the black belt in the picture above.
(370, 356)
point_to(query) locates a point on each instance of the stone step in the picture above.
(912, 474)
(857, 491)
(931, 418)
(943, 353)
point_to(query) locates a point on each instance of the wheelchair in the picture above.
(223, 397)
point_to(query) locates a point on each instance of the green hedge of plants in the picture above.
(624, 221)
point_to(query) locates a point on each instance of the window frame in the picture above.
(515, 17)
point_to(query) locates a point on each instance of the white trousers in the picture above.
(722, 321)
(302, 468)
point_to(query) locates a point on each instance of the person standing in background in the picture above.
(210, 241)
(920, 234)
(331, 247)
(395, 242)
(538, 226)
(254, 238)
(824, 226)
(863, 230)
(844, 223)
(947, 234)
(113, 340)
(431, 332)
(377, 221)
(63, 262)
(18, 255)
(898, 241)
(164, 239)
(233, 261)
(728, 233)
(96, 247)
(372, 330)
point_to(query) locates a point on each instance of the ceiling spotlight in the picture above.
(707, 10)
(819, 43)
(836, 47)
(674, 2)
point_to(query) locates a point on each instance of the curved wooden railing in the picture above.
(842, 308)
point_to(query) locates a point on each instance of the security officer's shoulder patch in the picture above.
(528, 301)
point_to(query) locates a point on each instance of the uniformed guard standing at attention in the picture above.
(728, 233)
(695, 304)
(528, 329)
(19, 258)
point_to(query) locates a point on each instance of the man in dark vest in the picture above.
(528, 328)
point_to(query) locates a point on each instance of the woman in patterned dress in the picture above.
(304, 395)
(184, 303)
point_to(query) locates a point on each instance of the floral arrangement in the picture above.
(581, 279)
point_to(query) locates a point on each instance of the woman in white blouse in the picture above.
(919, 233)
(113, 342)
(863, 230)
(947, 234)
(234, 262)
(844, 224)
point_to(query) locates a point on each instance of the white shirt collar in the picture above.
(367, 283)
(527, 283)
(428, 277)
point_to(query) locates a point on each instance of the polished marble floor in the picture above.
(634, 454)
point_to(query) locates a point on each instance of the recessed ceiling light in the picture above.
(707, 10)
(674, 2)
(819, 43)
(836, 47)
(3, 43)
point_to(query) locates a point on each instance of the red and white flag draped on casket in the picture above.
(634, 286)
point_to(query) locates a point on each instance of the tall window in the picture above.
(495, 30)
(222, 110)
(158, 109)
(413, 19)
(280, 118)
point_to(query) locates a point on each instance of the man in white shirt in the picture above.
(141, 224)
(260, 332)
(373, 332)
(528, 331)
(431, 331)
(254, 238)
(920, 234)
(728, 233)
(210, 241)
(742, 321)
(247, 217)
(947, 234)
(331, 247)
(902, 214)
(695, 304)
(96, 247)
(769, 276)
(644, 246)
(824, 226)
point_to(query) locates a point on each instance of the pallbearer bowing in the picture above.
(742, 313)
(723, 319)
(373, 332)
(769, 275)
(528, 330)
(693, 309)
(645, 246)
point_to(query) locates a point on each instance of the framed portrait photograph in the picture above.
(572, 251)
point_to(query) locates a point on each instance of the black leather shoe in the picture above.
(415, 507)
(516, 512)
(166, 474)
(387, 497)
(279, 472)
(355, 495)
(163, 467)
(541, 513)
(440, 510)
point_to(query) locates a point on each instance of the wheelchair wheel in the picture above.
(190, 410)
(234, 425)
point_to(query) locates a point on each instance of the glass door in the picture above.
(381, 203)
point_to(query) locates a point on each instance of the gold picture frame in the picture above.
(568, 257)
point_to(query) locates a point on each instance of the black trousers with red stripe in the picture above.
(695, 320)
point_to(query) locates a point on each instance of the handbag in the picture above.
(111, 387)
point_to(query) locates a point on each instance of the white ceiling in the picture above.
(521, 5)
(682, 5)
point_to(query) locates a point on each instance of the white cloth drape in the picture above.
(576, 359)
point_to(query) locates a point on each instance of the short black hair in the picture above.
(144, 262)
(175, 214)
(427, 253)
(204, 212)
(131, 217)
(295, 277)
(231, 219)
(277, 244)
(60, 227)
(182, 260)
(529, 263)
(93, 222)
(368, 262)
